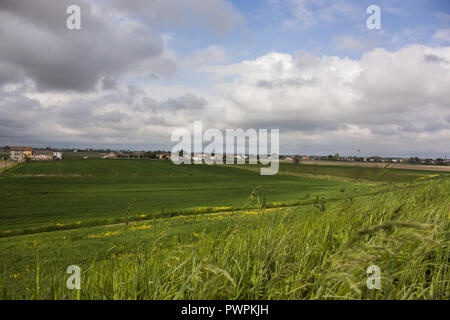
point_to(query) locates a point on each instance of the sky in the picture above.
(138, 70)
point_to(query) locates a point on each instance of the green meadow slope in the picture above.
(380, 174)
(64, 194)
(313, 251)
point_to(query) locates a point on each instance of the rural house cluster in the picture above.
(22, 154)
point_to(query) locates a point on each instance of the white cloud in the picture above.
(353, 43)
(442, 35)
(390, 99)
(308, 13)
(385, 102)
(210, 55)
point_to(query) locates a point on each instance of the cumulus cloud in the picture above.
(55, 58)
(392, 99)
(121, 117)
(395, 100)
(388, 102)
(36, 44)
(98, 86)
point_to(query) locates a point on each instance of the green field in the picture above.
(303, 234)
(376, 174)
(43, 194)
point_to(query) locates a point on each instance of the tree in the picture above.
(297, 159)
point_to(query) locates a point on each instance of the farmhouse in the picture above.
(198, 157)
(57, 155)
(135, 155)
(113, 155)
(20, 153)
(42, 155)
(163, 156)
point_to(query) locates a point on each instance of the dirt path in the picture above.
(381, 165)
(310, 176)
(4, 164)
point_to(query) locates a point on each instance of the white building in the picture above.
(57, 155)
(17, 155)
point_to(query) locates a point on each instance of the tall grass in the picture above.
(323, 255)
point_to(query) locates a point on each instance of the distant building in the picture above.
(17, 155)
(42, 155)
(163, 156)
(57, 155)
(197, 157)
(135, 155)
(112, 155)
(20, 153)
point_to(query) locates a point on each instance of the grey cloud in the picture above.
(35, 40)
(219, 17)
(386, 103)
(10, 74)
(112, 116)
(106, 118)
(188, 102)
(46, 14)
(295, 82)
(12, 126)
(109, 83)
(434, 58)
(296, 123)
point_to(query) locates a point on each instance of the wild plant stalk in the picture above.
(127, 215)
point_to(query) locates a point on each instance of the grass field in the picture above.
(304, 234)
(376, 174)
(5, 164)
(44, 194)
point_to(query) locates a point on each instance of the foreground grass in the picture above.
(319, 252)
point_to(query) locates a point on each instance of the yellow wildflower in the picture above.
(103, 234)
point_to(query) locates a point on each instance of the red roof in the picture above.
(14, 148)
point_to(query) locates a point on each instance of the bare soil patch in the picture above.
(381, 165)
